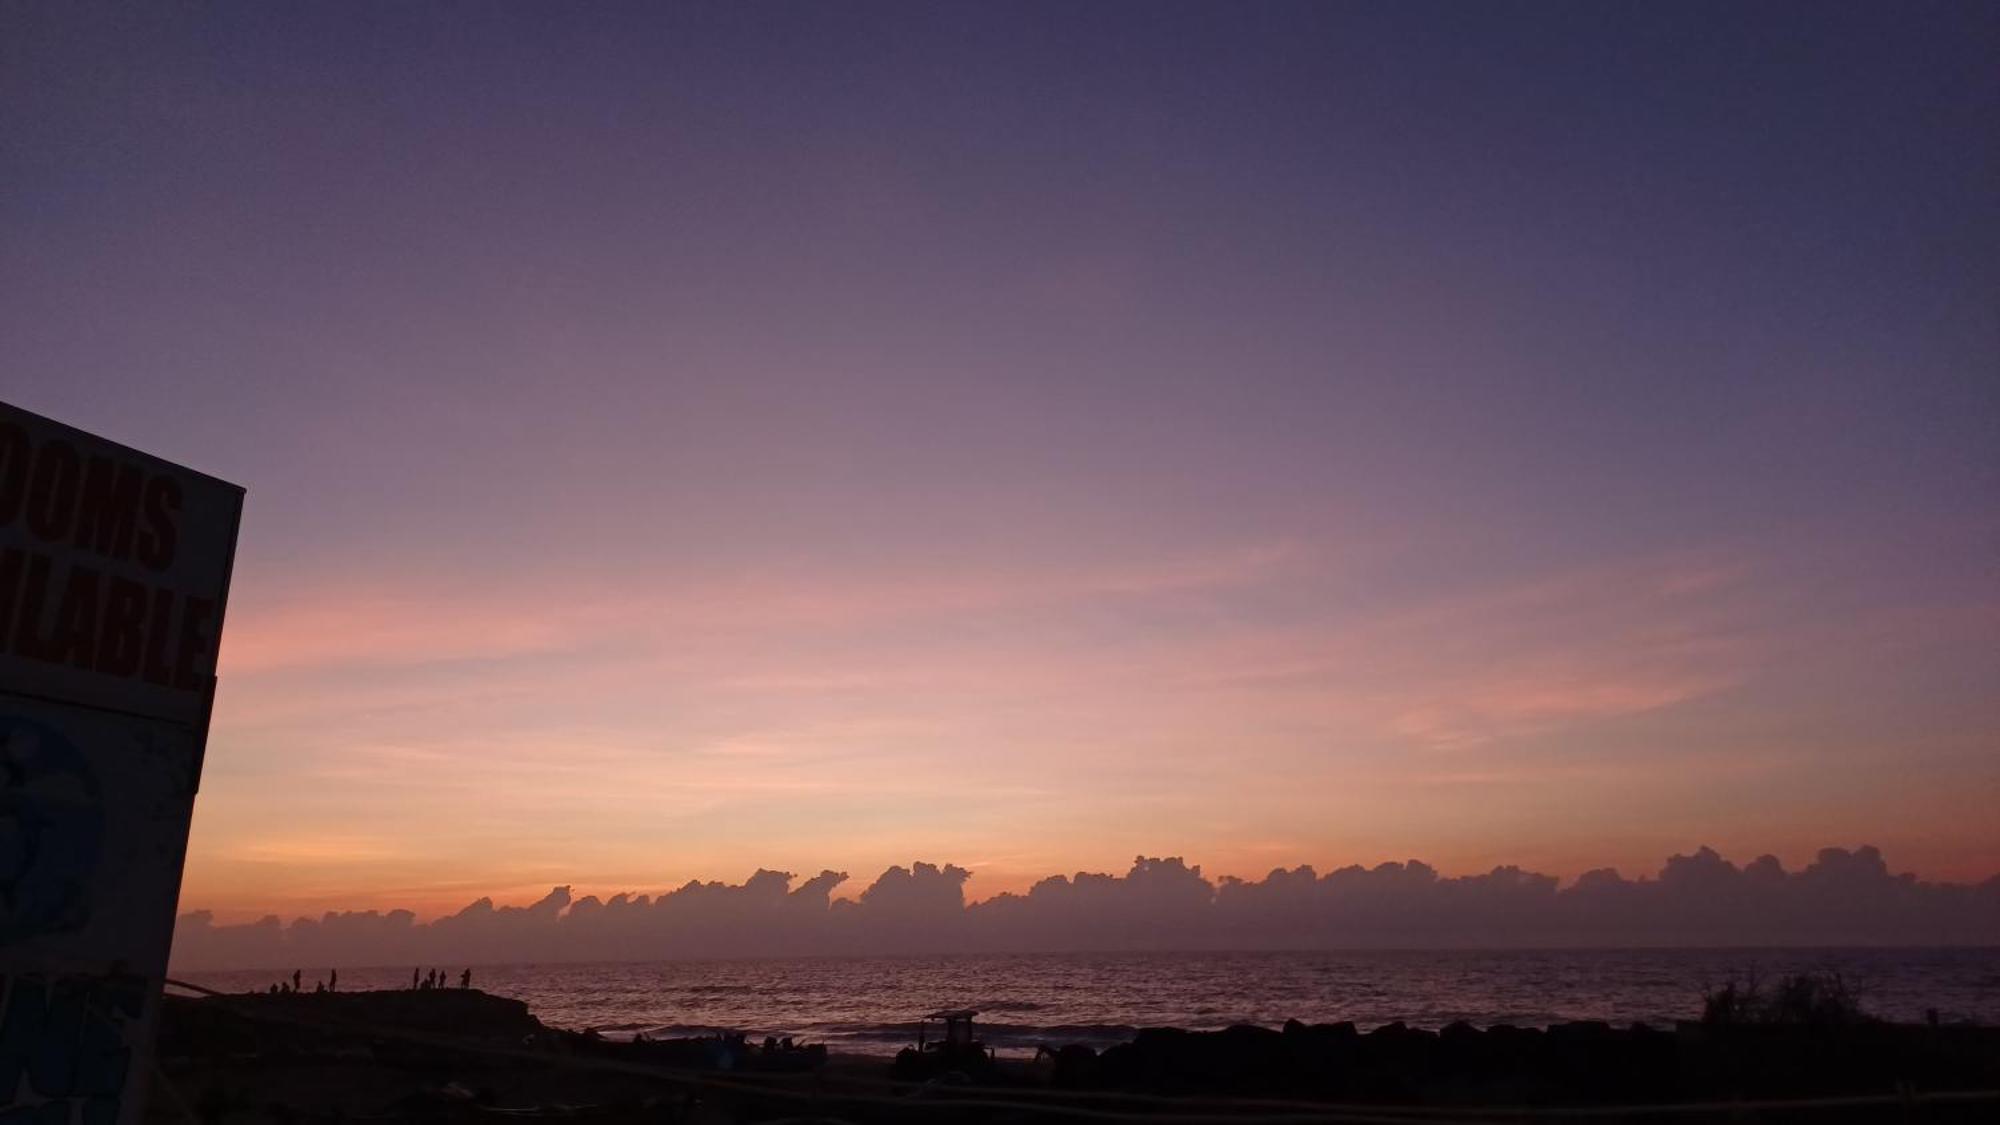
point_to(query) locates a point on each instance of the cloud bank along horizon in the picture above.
(1842, 898)
(679, 443)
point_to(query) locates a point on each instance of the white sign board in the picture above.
(114, 568)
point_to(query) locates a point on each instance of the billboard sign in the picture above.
(114, 569)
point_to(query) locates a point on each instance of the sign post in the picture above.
(114, 568)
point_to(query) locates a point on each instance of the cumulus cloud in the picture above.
(1843, 897)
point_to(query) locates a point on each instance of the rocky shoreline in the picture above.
(1585, 1063)
(461, 1054)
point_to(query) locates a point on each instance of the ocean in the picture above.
(869, 1005)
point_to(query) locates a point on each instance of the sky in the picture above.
(687, 439)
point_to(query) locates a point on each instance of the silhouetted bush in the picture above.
(1798, 1000)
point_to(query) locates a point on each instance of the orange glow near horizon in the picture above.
(442, 746)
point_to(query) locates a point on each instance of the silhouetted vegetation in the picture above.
(1797, 1000)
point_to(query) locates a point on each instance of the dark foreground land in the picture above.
(462, 1055)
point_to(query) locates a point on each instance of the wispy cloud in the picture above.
(1093, 704)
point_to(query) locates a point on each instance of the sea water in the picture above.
(871, 1004)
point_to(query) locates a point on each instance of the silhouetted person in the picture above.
(465, 979)
(413, 980)
(319, 987)
(295, 980)
(332, 979)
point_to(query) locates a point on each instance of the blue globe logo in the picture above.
(51, 831)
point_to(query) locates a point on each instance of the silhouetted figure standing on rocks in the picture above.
(465, 979)
(332, 980)
(413, 980)
(295, 980)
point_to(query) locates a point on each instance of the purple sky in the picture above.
(687, 438)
